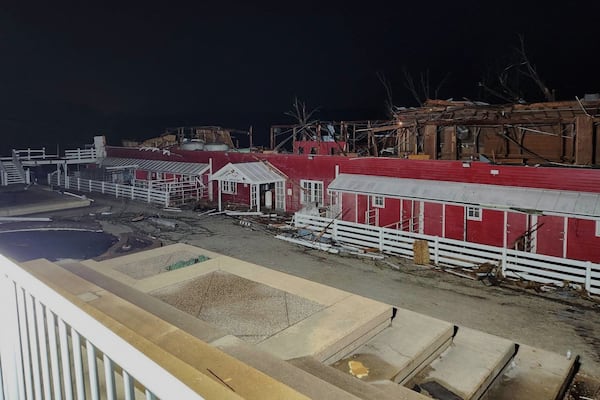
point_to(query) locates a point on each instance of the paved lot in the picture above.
(560, 322)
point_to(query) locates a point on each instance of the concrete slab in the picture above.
(182, 320)
(283, 371)
(534, 374)
(244, 308)
(36, 200)
(353, 385)
(468, 366)
(401, 350)
(325, 333)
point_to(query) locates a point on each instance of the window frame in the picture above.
(473, 213)
(313, 188)
(375, 203)
(228, 187)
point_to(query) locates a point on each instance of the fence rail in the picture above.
(81, 154)
(148, 195)
(50, 348)
(455, 253)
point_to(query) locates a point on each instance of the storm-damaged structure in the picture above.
(553, 133)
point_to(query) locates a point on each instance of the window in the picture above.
(312, 192)
(474, 213)
(229, 187)
(378, 201)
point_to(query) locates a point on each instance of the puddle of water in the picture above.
(54, 245)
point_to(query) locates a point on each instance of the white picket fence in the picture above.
(455, 253)
(52, 349)
(148, 195)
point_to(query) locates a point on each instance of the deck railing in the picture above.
(81, 154)
(455, 253)
(50, 348)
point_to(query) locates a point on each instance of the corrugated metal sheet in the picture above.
(250, 172)
(492, 196)
(169, 167)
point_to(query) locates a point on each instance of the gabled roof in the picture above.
(251, 172)
(171, 167)
(489, 196)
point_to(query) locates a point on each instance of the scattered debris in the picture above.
(138, 218)
(164, 222)
(358, 369)
(25, 219)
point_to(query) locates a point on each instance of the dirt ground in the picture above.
(559, 322)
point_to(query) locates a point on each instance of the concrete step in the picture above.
(357, 320)
(403, 349)
(467, 368)
(534, 374)
(353, 385)
(296, 378)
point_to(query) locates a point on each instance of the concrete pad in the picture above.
(317, 292)
(325, 333)
(401, 350)
(182, 320)
(36, 200)
(469, 365)
(353, 385)
(244, 308)
(534, 374)
(283, 371)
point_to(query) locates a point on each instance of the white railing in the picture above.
(51, 348)
(81, 154)
(148, 195)
(455, 253)
(33, 154)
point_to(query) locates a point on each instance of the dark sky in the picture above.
(71, 71)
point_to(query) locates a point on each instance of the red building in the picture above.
(545, 210)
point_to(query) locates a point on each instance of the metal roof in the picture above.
(251, 172)
(487, 196)
(171, 167)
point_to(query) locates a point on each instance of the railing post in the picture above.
(10, 352)
(436, 251)
(79, 184)
(334, 231)
(27, 176)
(380, 239)
(90, 185)
(116, 190)
(132, 193)
(102, 187)
(588, 276)
(504, 260)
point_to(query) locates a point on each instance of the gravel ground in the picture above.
(558, 322)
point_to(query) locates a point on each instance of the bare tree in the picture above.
(508, 84)
(423, 89)
(303, 117)
(387, 86)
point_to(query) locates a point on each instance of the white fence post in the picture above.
(116, 190)
(588, 276)
(132, 193)
(102, 187)
(436, 251)
(10, 352)
(90, 185)
(504, 261)
(79, 184)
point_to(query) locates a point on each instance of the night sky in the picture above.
(69, 72)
